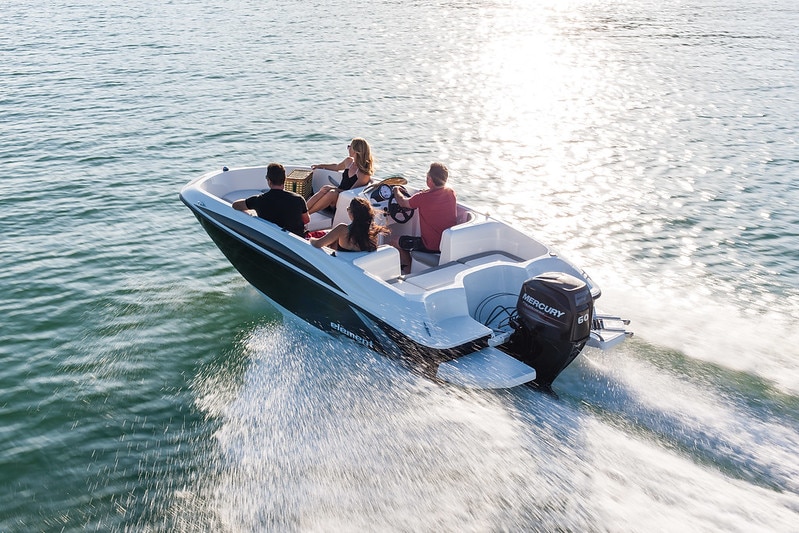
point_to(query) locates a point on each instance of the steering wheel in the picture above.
(381, 190)
(400, 214)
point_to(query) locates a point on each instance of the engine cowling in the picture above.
(554, 322)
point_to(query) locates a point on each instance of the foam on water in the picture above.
(707, 499)
(340, 438)
(706, 326)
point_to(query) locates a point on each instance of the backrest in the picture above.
(322, 177)
(488, 236)
(383, 263)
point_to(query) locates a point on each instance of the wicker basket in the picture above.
(300, 181)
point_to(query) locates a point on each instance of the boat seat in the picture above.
(426, 258)
(320, 220)
(436, 277)
(242, 194)
(432, 259)
(383, 263)
(325, 177)
(489, 236)
(489, 257)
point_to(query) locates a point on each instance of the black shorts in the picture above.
(411, 243)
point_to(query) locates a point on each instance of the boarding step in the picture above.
(488, 368)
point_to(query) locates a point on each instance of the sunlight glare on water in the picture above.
(596, 151)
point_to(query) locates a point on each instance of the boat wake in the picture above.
(326, 435)
(713, 328)
(319, 433)
(730, 421)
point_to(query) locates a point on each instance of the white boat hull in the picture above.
(435, 317)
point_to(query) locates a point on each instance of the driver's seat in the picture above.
(432, 259)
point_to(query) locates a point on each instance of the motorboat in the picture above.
(496, 308)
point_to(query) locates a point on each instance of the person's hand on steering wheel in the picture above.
(400, 213)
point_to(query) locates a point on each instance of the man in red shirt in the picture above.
(437, 209)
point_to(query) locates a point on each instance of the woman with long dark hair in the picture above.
(360, 235)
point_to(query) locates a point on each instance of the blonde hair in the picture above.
(363, 156)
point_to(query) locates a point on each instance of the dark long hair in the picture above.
(363, 231)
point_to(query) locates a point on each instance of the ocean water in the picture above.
(144, 386)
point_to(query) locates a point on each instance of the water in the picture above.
(146, 387)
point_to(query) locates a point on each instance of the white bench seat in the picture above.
(470, 240)
(436, 277)
(319, 221)
(383, 263)
(242, 194)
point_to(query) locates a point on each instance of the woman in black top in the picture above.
(360, 235)
(358, 168)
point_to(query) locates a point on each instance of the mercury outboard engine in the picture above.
(553, 324)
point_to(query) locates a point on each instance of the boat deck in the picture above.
(481, 259)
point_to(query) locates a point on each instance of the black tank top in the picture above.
(347, 181)
(344, 249)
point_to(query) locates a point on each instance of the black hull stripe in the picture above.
(274, 247)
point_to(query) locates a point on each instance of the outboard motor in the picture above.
(554, 323)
